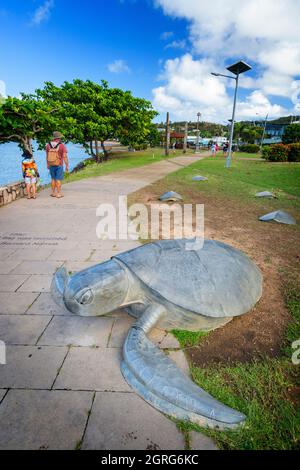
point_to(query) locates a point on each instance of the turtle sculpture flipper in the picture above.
(170, 284)
(159, 381)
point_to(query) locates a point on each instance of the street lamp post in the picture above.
(197, 141)
(237, 69)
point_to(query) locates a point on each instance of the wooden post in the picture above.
(167, 135)
(97, 150)
(185, 137)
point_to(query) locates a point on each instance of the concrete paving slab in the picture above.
(121, 327)
(16, 303)
(22, 329)
(169, 342)
(120, 331)
(6, 252)
(75, 266)
(7, 266)
(199, 441)
(39, 254)
(37, 283)
(43, 419)
(11, 282)
(77, 331)
(73, 254)
(92, 369)
(45, 305)
(123, 421)
(157, 335)
(2, 394)
(98, 256)
(179, 358)
(31, 366)
(37, 267)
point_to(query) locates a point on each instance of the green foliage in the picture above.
(291, 293)
(294, 153)
(247, 133)
(291, 134)
(94, 112)
(188, 339)
(276, 153)
(154, 137)
(259, 390)
(249, 148)
(24, 119)
(282, 153)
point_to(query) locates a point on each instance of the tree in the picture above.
(246, 133)
(25, 119)
(154, 137)
(291, 134)
(91, 112)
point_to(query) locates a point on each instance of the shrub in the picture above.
(276, 153)
(249, 148)
(294, 153)
(140, 147)
(266, 151)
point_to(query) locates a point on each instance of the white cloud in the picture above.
(166, 35)
(2, 89)
(42, 13)
(265, 33)
(190, 88)
(176, 44)
(258, 104)
(118, 66)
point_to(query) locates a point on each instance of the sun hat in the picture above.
(57, 135)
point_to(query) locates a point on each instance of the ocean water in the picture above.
(11, 162)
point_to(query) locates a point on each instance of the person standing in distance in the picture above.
(57, 156)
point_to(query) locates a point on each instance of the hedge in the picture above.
(249, 148)
(282, 153)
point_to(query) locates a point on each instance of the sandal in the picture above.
(59, 196)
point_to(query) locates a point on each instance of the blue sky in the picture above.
(163, 50)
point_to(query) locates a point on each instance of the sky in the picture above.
(161, 50)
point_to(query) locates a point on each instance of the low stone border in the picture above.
(11, 192)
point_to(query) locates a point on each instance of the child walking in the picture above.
(30, 174)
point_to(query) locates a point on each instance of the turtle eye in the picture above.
(86, 297)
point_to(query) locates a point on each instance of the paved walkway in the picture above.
(61, 387)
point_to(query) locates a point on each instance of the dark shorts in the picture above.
(57, 173)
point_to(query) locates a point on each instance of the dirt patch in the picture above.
(272, 246)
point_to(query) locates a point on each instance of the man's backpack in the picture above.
(53, 158)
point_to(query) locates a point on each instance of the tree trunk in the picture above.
(105, 152)
(26, 145)
(97, 151)
(91, 149)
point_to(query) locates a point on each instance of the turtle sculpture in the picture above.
(168, 285)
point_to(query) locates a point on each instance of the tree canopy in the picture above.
(24, 119)
(83, 111)
(291, 134)
(90, 112)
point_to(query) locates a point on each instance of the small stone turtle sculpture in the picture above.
(170, 196)
(168, 285)
(281, 217)
(199, 178)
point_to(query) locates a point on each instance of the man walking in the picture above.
(56, 157)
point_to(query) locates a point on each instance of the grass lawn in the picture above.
(247, 364)
(243, 179)
(122, 161)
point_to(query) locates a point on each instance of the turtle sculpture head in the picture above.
(95, 291)
(164, 284)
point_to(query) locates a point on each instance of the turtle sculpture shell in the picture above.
(215, 281)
